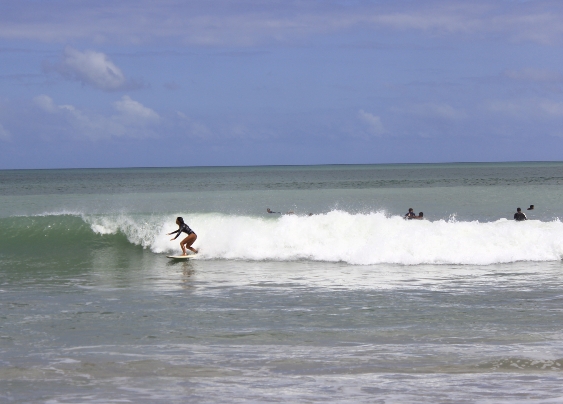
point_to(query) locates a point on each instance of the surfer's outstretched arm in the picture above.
(177, 231)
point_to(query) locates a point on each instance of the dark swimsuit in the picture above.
(183, 228)
(519, 216)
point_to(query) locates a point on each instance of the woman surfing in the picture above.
(188, 241)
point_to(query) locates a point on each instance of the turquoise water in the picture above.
(350, 304)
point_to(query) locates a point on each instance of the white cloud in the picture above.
(4, 133)
(135, 112)
(132, 119)
(449, 18)
(92, 68)
(540, 25)
(248, 22)
(373, 122)
(527, 108)
(534, 21)
(534, 74)
(45, 103)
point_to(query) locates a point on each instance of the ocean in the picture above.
(337, 298)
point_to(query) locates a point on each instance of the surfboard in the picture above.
(181, 257)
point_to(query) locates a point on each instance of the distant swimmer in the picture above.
(410, 214)
(188, 241)
(419, 217)
(519, 216)
(279, 213)
(531, 207)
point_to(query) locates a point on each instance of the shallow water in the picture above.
(351, 304)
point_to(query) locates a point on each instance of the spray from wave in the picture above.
(362, 239)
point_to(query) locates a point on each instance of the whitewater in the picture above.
(343, 301)
(359, 239)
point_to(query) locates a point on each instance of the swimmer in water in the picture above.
(419, 217)
(519, 216)
(188, 241)
(410, 214)
(279, 213)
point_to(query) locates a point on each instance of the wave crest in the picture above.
(362, 239)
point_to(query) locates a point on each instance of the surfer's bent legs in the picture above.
(187, 242)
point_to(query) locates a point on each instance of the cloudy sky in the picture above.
(247, 82)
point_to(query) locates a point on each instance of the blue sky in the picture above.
(220, 82)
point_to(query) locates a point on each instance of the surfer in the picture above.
(519, 216)
(410, 214)
(269, 211)
(419, 217)
(188, 241)
(531, 207)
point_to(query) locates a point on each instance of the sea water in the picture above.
(341, 300)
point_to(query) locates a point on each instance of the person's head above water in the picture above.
(531, 207)
(420, 214)
(411, 209)
(518, 210)
(268, 210)
(179, 220)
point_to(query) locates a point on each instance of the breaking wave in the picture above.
(362, 239)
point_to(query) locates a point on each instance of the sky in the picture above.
(139, 83)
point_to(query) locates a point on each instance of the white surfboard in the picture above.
(182, 257)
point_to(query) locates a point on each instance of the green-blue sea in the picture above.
(335, 298)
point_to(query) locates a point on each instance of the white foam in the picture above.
(143, 231)
(353, 238)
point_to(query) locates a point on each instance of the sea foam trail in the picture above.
(336, 236)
